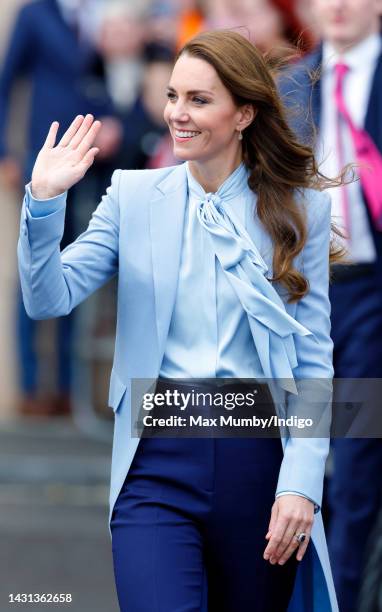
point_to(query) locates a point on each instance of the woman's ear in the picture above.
(247, 114)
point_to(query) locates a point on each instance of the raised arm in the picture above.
(53, 283)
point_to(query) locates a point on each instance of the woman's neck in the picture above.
(211, 174)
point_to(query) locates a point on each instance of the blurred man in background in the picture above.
(52, 44)
(346, 107)
(121, 40)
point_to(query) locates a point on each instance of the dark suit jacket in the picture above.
(300, 88)
(66, 75)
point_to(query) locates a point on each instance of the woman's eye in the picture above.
(172, 96)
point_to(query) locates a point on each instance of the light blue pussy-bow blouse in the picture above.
(225, 308)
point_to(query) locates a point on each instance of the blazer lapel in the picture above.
(167, 209)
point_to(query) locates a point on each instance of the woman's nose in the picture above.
(179, 112)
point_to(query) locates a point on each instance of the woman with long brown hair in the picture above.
(223, 265)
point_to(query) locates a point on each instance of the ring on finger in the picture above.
(300, 537)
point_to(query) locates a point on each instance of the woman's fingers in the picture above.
(295, 515)
(276, 538)
(89, 158)
(71, 131)
(84, 128)
(90, 137)
(79, 136)
(289, 543)
(294, 545)
(272, 521)
(51, 137)
(302, 547)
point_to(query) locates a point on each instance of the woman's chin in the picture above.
(181, 152)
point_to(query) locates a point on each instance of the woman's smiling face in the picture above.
(200, 112)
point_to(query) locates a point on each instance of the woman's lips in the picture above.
(179, 138)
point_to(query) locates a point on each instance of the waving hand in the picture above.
(59, 166)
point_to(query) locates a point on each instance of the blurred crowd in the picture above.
(113, 58)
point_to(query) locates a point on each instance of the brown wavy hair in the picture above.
(278, 163)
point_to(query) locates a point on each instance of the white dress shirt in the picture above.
(362, 60)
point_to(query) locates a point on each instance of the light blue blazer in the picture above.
(136, 231)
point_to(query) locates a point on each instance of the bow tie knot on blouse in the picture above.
(271, 326)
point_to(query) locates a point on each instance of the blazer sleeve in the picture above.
(54, 282)
(303, 466)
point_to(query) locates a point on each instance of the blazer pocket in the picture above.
(117, 391)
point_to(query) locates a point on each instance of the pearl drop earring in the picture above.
(240, 135)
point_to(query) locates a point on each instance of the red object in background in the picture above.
(295, 31)
(163, 155)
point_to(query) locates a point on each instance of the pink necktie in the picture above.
(367, 155)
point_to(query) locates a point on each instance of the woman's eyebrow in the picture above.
(191, 91)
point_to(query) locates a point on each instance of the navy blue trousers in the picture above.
(189, 526)
(354, 491)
